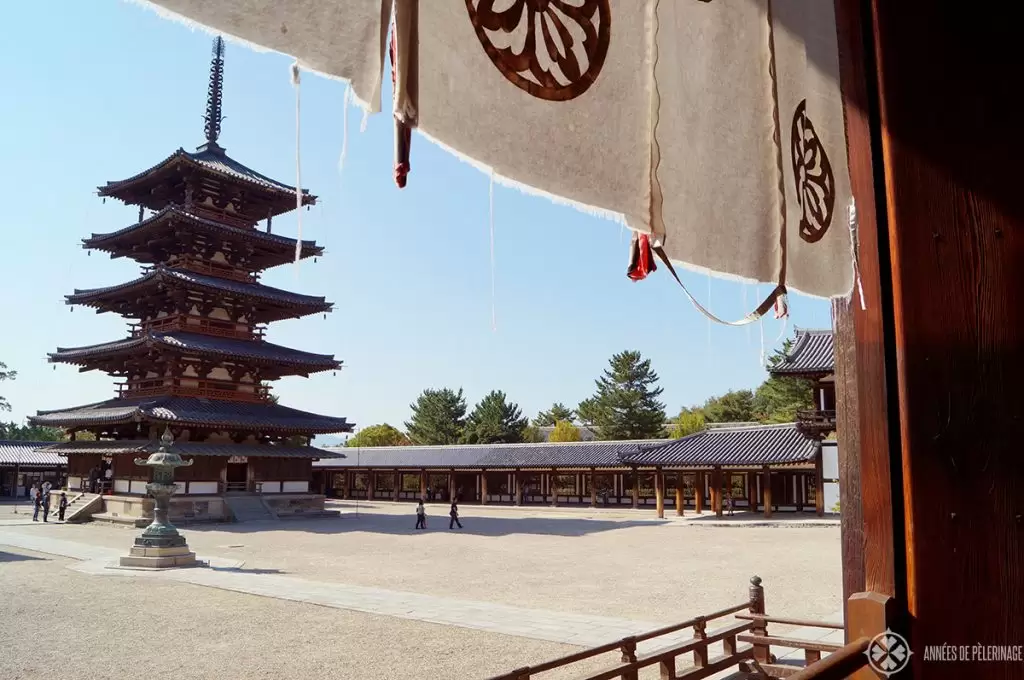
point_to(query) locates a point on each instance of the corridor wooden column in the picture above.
(593, 488)
(680, 489)
(346, 485)
(483, 487)
(752, 491)
(423, 485)
(716, 490)
(819, 484)
(553, 488)
(659, 493)
(371, 484)
(636, 489)
(518, 477)
(698, 492)
(451, 487)
(398, 486)
(766, 490)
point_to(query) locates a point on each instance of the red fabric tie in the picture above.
(641, 260)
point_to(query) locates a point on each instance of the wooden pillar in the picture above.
(762, 653)
(636, 489)
(371, 484)
(819, 484)
(751, 491)
(766, 490)
(398, 486)
(423, 485)
(483, 487)
(593, 488)
(451, 486)
(346, 485)
(553, 488)
(659, 493)
(680, 500)
(716, 490)
(698, 492)
(518, 495)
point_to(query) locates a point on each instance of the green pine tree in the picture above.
(557, 412)
(495, 420)
(626, 404)
(438, 417)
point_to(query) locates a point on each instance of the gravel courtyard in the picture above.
(618, 564)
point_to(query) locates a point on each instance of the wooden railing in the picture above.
(222, 217)
(667, 658)
(224, 271)
(816, 422)
(209, 389)
(197, 324)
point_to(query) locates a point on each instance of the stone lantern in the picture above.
(160, 545)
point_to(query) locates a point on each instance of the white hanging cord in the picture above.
(344, 130)
(298, 160)
(366, 119)
(494, 309)
(747, 329)
(760, 324)
(854, 252)
(709, 320)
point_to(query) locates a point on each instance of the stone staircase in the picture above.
(81, 507)
(249, 508)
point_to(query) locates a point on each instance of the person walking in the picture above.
(454, 514)
(45, 502)
(421, 516)
(37, 499)
(63, 507)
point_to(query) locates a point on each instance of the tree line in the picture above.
(625, 405)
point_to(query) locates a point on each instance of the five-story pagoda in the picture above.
(196, 360)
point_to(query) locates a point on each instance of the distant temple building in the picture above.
(195, 360)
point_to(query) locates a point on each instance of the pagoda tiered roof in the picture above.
(186, 449)
(812, 355)
(164, 183)
(196, 411)
(273, 303)
(254, 352)
(135, 241)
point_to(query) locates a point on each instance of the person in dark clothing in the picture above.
(46, 506)
(454, 514)
(37, 502)
(421, 516)
(63, 507)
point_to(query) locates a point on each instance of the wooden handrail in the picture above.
(837, 665)
(792, 643)
(791, 622)
(631, 663)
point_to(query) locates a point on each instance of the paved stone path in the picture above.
(225, 574)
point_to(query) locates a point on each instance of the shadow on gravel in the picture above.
(14, 557)
(368, 521)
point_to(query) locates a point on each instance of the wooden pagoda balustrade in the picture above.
(209, 389)
(198, 324)
(816, 424)
(222, 217)
(210, 268)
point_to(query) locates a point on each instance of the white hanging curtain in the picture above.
(664, 114)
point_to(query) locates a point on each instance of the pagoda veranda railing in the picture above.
(192, 387)
(191, 323)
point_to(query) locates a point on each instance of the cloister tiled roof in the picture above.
(812, 354)
(729, 446)
(194, 411)
(29, 454)
(145, 447)
(499, 456)
(208, 345)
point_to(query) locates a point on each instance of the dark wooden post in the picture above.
(659, 493)
(752, 491)
(451, 486)
(517, 476)
(398, 486)
(698, 492)
(553, 487)
(423, 485)
(371, 484)
(868, 615)
(716, 490)
(593, 488)
(819, 484)
(766, 490)
(483, 487)
(636, 489)
(346, 485)
(762, 653)
(680, 500)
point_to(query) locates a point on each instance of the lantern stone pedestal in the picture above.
(161, 546)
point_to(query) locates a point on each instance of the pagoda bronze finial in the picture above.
(215, 93)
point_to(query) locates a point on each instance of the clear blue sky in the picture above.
(109, 89)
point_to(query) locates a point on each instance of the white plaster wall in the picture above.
(138, 486)
(122, 486)
(294, 487)
(196, 488)
(271, 487)
(830, 470)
